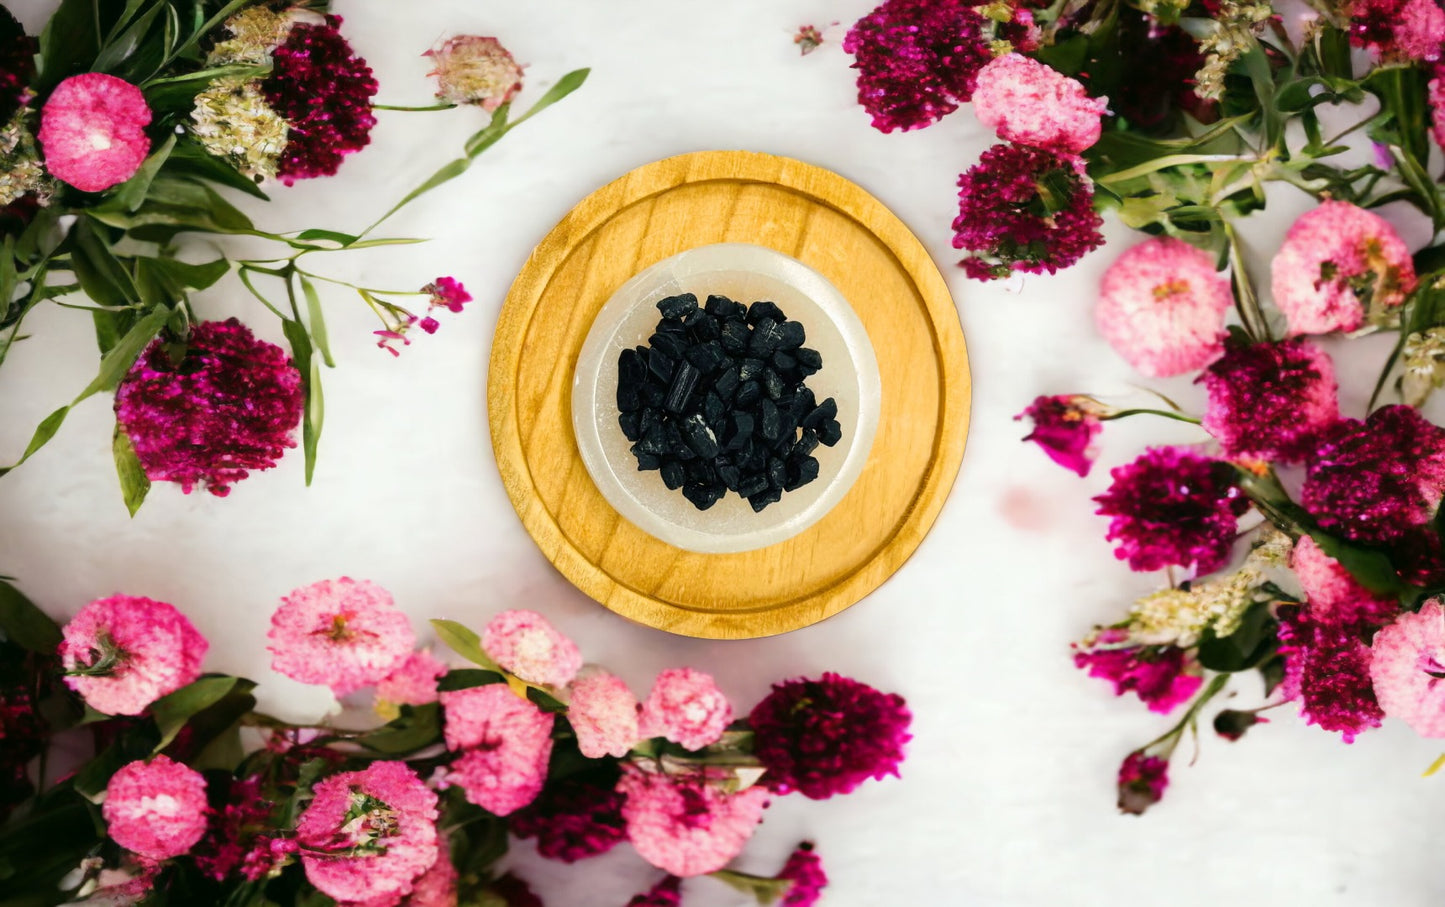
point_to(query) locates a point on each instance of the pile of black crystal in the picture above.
(716, 401)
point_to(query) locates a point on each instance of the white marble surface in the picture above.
(1007, 796)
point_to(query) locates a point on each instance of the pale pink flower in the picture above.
(1333, 596)
(472, 69)
(437, 887)
(604, 713)
(92, 129)
(505, 742)
(1420, 30)
(685, 825)
(1436, 96)
(524, 643)
(414, 681)
(376, 833)
(140, 650)
(156, 809)
(1408, 669)
(344, 633)
(1336, 260)
(1162, 306)
(1027, 102)
(686, 707)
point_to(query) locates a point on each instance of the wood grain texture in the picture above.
(800, 210)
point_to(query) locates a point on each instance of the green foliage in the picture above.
(24, 624)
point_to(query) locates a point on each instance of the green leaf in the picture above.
(103, 278)
(417, 728)
(133, 191)
(317, 320)
(25, 624)
(178, 93)
(115, 55)
(111, 326)
(464, 642)
(191, 160)
(68, 40)
(1370, 567)
(309, 366)
(195, 277)
(1246, 648)
(764, 890)
(545, 701)
(133, 481)
(341, 239)
(466, 678)
(173, 711)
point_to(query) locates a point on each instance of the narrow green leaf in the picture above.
(309, 366)
(341, 239)
(132, 193)
(191, 160)
(133, 481)
(764, 890)
(131, 7)
(317, 319)
(100, 273)
(115, 54)
(210, 25)
(43, 433)
(195, 277)
(418, 727)
(24, 623)
(466, 678)
(464, 642)
(67, 41)
(173, 711)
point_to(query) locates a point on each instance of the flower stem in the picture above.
(413, 109)
(1177, 417)
(1216, 683)
(1244, 298)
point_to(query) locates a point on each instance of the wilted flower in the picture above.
(1231, 724)
(1029, 103)
(1236, 24)
(1064, 428)
(92, 129)
(1142, 780)
(124, 652)
(1162, 677)
(1423, 359)
(1270, 401)
(808, 39)
(1407, 664)
(156, 809)
(471, 69)
(21, 172)
(344, 633)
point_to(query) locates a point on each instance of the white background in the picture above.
(1007, 795)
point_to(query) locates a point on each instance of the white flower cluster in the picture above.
(21, 172)
(233, 121)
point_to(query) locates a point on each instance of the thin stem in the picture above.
(1177, 417)
(1176, 160)
(1216, 683)
(1244, 299)
(342, 283)
(413, 109)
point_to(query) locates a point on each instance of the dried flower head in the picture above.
(471, 69)
(809, 38)
(504, 741)
(232, 121)
(257, 31)
(1407, 664)
(1236, 24)
(1270, 401)
(21, 171)
(156, 809)
(1027, 102)
(1065, 428)
(1142, 780)
(125, 652)
(92, 128)
(683, 823)
(344, 633)
(1423, 358)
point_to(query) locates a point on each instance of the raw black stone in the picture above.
(777, 473)
(760, 310)
(770, 423)
(800, 473)
(631, 423)
(706, 328)
(830, 433)
(682, 384)
(773, 384)
(824, 411)
(703, 496)
(653, 442)
(752, 484)
(672, 475)
(734, 336)
(792, 335)
(727, 383)
(677, 307)
(666, 326)
(723, 308)
(631, 371)
(749, 392)
(708, 357)
(809, 360)
(730, 476)
(765, 339)
(674, 346)
(802, 403)
(784, 363)
(646, 462)
(660, 365)
(807, 443)
(713, 409)
(740, 429)
(699, 437)
(749, 369)
(764, 498)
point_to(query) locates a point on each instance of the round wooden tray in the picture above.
(824, 221)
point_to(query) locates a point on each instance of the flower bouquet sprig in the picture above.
(195, 797)
(122, 125)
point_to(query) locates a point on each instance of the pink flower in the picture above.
(524, 643)
(505, 742)
(1398, 30)
(131, 651)
(1407, 667)
(344, 633)
(1157, 675)
(446, 293)
(1338, 264)
(93, 131)
(1270, 401)
(1142, 780)
(234, 839)
(666, 893)
(437, 887)
(1327, 668)
(323, 90)
(376, 833)
(471, 69)
(1436, 97)
(1065, 428)
(686, 707)
(1162, 306)
(683, 824)
(1333, 595)
(413, 681)
(604, 714)
(805, 870)
(1026, 102)
(156, 809)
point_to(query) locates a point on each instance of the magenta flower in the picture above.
(805, 870)
(684, 825)
(524, 643)
(1027, 102)
(1162, 306)
(233, 842)
(1334, 596)
(1397, 30)
(1156, 674)
(471, 69)
(1407, 666)
(1064, 428)
(447, 293)
(1142, 780)
(156, 809)
(1337, 264)
(504, 742)
(1270, 401)
(17, 64)
(368, 835)
(323, 91)
(604, 714)
(572, 819)
(686, 707)
(917, 60)
(1161, 61)
(344, 633)
(231, 404)
(666, 893)
(1172, 506)
(93, 131)
(413, 681)
(1327, 668)
(125, 652)
(1022, 209)
(827, 736)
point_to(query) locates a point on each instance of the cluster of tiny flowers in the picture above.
(471, 69)
(1181, 615)
(1270, 401)
(1423, 362)
(1237, 22)
(1397, 30)
(1024, 209)
(1155, 674)
(1162, 61)
(233, 121)
(443, 293)
(412, 682)
(604, 715)
(21, 172)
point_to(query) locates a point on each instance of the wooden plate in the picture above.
(828, 223)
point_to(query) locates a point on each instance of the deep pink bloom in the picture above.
(1398, 30)
(447, 293)
(376, 830)
(1270, 401)
(685, 825)
(524, 643)
(234, 841)
(1027, 102)
(344, 633)
(1327, 668)
(1162, 306)
(604, 714)
(1156, 674)
(437, 887)
(666, 893)
(1064, 428)
(1173, 506)
(1161, 61)
(92, 129)
(231, 404)
(1022, 209)
(323, 90)
(827, 736)
(1436, 96)
(156, 809)
(17, 64)
(1142, 780)
(686, 707)
(514, 891)
(917, 60)
(572, 819)
(1332, 595)
(429, 324)
(138, 649)
(413, 681)
(1336, 260)
(1408, 669)
(805, 870)
(504, 741)
(472, 69)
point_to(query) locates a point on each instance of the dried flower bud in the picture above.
(471, 69)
